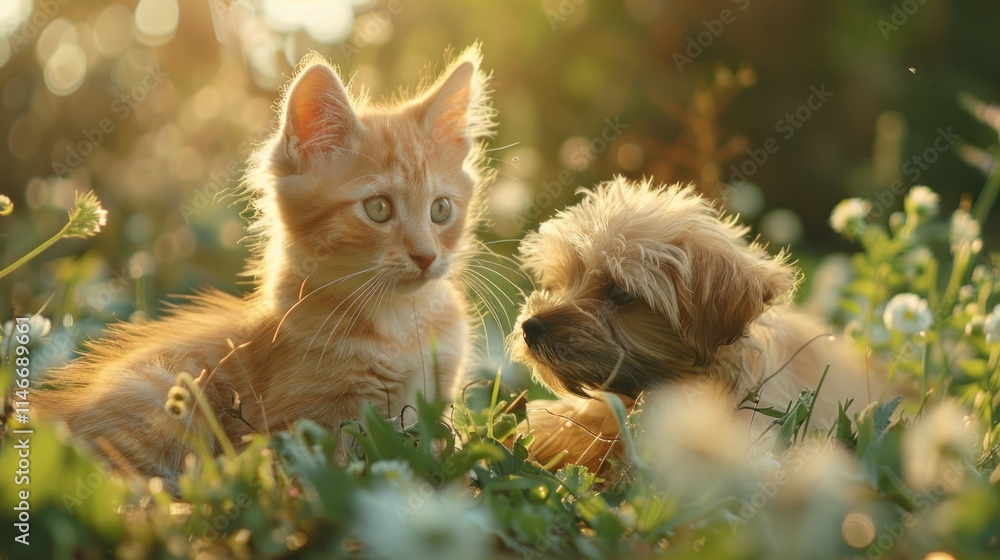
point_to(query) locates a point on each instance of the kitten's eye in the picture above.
(618, 296)
(440, 210)
(378, 209)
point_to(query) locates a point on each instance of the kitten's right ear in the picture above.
(318, 116)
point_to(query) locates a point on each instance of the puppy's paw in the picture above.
(572, 431)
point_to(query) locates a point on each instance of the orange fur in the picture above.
(345, 309)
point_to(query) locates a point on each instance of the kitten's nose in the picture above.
(423, 261)
(533, 328)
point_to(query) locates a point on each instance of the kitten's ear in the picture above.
(447, 108)
(318, 116)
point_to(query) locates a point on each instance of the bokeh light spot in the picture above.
(55, 34)
(113, 30)
(326, 22)
(858, 529)
(65, 70)
(781, 227)
(206, 103)
(12, 14)
(631, 157)
(156, 21)
(4, 51)
(575, 153)
(141, 264)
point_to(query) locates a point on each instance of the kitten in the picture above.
(362, 215)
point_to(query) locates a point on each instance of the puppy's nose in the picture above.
(533, 328)
(423, 261)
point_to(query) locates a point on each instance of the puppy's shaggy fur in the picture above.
(643, 286)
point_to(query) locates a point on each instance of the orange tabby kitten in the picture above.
(362, 216)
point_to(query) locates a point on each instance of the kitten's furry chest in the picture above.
(414, 344)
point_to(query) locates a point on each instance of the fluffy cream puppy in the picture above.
(644, 287)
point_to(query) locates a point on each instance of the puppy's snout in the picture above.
(533, 328)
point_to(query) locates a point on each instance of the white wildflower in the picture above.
(6, 206)
(39, 328)
(86, 217)
(967, 294)
(908, 314)
(849, 217)
(915, 262)
(395, 471)
(964, 231)
(922, 203)
(936, 447)
(765, 465)
(991, 326)
(418, 522)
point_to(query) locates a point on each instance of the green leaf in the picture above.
(844, 433)
(975, 368)
(883, 415)
(576, 478)
(617, 407)
(791, 421)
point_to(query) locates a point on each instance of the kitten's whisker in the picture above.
(332, 312)
(509, 240)
(514, 266)
(483, 266)
(502, 320)
(362, 178)
(488, 282)
(355, 152)
(511, 145)
(301, 299)
(507, 175)
(361, 300)
(481, 314)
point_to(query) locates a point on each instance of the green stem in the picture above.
(209, 414)
(35, 252)
(923, 378)
(958, 272)
(981, 211)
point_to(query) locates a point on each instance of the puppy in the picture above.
(643, 287)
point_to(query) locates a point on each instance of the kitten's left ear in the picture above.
(319, 117)
(447, 109)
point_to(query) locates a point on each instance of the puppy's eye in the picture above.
(379, 209)
(618, 296)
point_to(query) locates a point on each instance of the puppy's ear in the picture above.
(728, 287)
